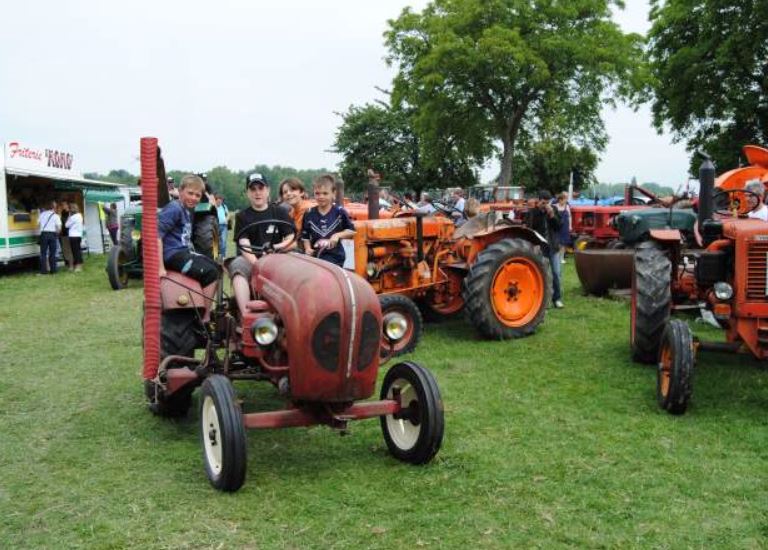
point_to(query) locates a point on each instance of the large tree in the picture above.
(709, 63)
(488, 71)
(548, 164)
(381, 137)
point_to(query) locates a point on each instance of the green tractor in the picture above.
(125, 259)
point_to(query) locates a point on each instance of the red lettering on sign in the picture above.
(16, 150)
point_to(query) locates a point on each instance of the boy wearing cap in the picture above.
(326, 224)
(174, 227)
(279, 236)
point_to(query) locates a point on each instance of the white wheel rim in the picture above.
(403, 432)
(211, 435)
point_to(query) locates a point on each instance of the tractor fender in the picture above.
(481, 241)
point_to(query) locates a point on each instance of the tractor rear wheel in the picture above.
(180, 332)
(651, 299)
(118, 276)
(674, 377)
(175, 405)
(222, 434)
(407, 308)
(507, 290)
(416, 433)
(206, 235)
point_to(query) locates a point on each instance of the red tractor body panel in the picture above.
(333, 347)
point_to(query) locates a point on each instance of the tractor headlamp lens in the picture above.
(370, 269)
(723, 291)
(264, 331)
(395, 326)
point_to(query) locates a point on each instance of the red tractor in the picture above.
(312, 330)
(726, 274)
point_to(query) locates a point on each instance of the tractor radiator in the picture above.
(757, 271)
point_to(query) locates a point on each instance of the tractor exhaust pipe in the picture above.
(706, 188)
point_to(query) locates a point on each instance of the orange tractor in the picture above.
(490, 268)
(727, 275)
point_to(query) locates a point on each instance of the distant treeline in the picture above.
(604, 190)
(229, 183)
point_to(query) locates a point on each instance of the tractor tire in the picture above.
(507, 290)
(126, 237)
(674, 376)
(416, 434)
(406, 307)
(118, 276)
(222, 434)
(449, 292)
(651, 300)
(205, 235)
(180, 333)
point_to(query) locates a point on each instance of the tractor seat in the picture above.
(256, 306)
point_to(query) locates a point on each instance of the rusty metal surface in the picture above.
(601, 269)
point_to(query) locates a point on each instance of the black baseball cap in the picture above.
(255, 178)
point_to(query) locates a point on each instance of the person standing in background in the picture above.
(564, 209)
(113, 224)
(543, 218)
(66, 251)
(49, 224)
(222, 212)
(75, 227)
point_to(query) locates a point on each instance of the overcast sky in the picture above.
(232, 82)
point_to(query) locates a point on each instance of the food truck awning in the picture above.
(93, 190)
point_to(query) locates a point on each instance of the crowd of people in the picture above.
(60, 224)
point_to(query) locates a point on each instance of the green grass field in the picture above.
(554, 440)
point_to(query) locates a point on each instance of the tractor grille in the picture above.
(326, 342)
(757, 271)
(370, 341)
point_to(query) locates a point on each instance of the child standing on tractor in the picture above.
(326, 224)
(174, 227)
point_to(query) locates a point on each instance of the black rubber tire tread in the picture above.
(431, 415)
(677, 335)
(477, 289)
(406, 306)
(652, 297)
(232, 437)
(116, 281)
(180, 332)
(126, 237)
(205, 235)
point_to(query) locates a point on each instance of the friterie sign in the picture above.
(22, 156)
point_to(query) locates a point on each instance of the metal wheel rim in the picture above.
(522, 309)
(122, 273)
(211, 430)
(665, 370)
(404, 433)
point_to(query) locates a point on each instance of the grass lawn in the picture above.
(553, 440)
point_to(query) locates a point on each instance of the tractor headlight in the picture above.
(723, 291)
(370, 269)
(264, 331)
(395, 326)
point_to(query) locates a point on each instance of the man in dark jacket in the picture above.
(544, 218)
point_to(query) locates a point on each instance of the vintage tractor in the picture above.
(488, 267)
(312, 330)
(725, 272)
(125, 259)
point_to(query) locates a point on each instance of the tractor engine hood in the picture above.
(332, 323)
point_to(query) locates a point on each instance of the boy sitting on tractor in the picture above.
(174, 227)
(326, 224)
(254, 232)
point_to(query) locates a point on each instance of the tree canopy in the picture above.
(381, 137)
(709, 63)
(483, 71)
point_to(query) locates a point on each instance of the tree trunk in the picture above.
(505, 178)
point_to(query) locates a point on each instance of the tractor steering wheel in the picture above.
(735, 202)
(447, 210)
(267, 247)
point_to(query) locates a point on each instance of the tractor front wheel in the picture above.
(674, 377)
(222, 434)
(415, 434)
(651, 299)
(507, 290)
(403, 305)
(118, 276)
